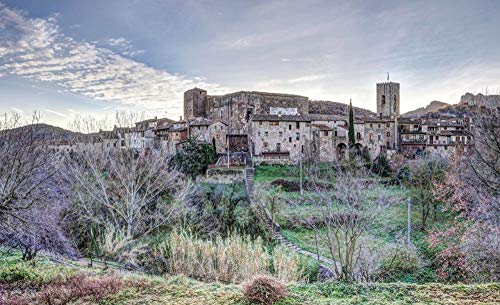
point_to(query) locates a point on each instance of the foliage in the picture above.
(381, 166)
(142, 289)
(194, 157)
(425, 172)
(222, 208)
(352, 139)
(264, 290)
(232, 260)
(468, 247)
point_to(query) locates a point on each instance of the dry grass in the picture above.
(232, 260)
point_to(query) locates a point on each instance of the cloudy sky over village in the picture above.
(72, 57)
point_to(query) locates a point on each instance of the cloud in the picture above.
(56, 113)
(37, 49)
(15, 109)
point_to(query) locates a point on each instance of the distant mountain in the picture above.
(489, 101)
(422, 111)
(340, 109)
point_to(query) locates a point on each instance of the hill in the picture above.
(45, 132)
(432, 107)
(334, 108)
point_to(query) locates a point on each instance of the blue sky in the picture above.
(67, 57)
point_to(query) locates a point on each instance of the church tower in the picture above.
(388, 99)
(195, 103)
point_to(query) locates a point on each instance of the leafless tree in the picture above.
(484, 162)
(349, 202)
(31, 196)
(27, 165)
(133, 192)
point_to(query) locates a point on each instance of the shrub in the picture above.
(78, 287)
(264, 290)
(233, 259)
(18, 272)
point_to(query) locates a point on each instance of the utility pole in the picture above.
(409, 222)
(300, 167)
(227, 143)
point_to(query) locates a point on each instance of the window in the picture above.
(379, 126)
(289, 126)
(290, 139)
(387, 124)
(383, 100)
(297, 136)
(265, 144)
(358, 135)
(260, 123)
(335, 133)
(278, 147)
(379, 137)
(297, 125)
(302, 149)
(274, 123)
(388, 134)
(326, 133)
(266, 133)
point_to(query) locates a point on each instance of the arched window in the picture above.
(383, 99)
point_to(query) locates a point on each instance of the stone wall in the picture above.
(282, 136)
(388, 100)
(235, 109)
(195, 103)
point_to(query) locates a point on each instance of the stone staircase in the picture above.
(325, 263)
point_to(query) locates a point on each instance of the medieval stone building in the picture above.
(283, 128)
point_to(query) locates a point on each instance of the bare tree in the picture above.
(31, 196)
(349, 202)
(133, 192)
(27, 165)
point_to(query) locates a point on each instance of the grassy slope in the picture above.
(390, 227)
(180, 290)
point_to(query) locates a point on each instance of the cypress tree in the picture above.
(352, 140)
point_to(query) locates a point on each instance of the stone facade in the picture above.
(281, 129)
(388, 100)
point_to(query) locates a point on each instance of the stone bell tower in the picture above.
(388, 99)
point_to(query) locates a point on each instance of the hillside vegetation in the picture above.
(48, 283)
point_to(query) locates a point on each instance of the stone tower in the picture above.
(387, 100)
(195, 103)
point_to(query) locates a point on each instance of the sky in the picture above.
(69, 58)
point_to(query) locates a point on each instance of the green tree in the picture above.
(194, 157)
(352, 140)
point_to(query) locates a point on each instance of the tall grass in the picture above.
(233, 259)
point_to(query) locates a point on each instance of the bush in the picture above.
(233, 259)
(264, 290)
(80, 286)
(18, 272)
